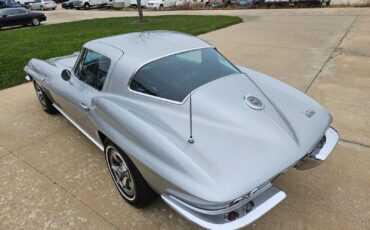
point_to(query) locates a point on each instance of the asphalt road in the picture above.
(51, 176)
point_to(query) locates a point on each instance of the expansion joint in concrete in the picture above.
(331, 56)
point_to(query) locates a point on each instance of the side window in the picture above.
(11, 12)
(21, 11)
(92, 68)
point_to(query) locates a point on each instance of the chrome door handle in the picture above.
(85, 107)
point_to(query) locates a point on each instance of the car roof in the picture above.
(151, 45)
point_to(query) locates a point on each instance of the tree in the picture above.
(140, 11)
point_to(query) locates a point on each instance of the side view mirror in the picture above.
(66, 75)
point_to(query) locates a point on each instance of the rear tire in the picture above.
(127, 178)
(86, 6)
(42, 8)
(46, 103)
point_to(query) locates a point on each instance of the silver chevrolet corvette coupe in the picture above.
(174, 117)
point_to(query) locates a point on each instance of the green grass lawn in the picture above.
(17, 46)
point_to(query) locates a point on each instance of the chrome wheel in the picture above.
(120, 173)
(41, 96)
(35, 21)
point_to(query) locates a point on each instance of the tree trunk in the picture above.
(140, 11)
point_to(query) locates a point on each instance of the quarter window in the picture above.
(92, 68)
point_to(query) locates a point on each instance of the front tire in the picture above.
(127, 178)
(35, 22)
(46, 103)
(86, 6)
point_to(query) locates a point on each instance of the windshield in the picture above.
(174, 77)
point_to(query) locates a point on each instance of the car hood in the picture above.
(237, 147)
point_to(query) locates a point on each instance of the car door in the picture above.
(95, 2)
(36, 5)
(88, 79)
(10, 18)
(22, 16)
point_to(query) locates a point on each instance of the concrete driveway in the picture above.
(53, 177)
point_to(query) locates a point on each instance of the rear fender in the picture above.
(146, 146)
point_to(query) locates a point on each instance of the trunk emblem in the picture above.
(253, 102)
(309, 113)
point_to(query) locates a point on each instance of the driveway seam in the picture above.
(5, 155)
(64, 189)
(355, 143)
(331, 56)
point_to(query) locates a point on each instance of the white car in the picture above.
(133, 3)
(86, 4)
(160, 4)
(182, 2)
(42, 5)
(118, 4)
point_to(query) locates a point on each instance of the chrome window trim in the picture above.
(85, 50)
(186, 98)
(157, 58)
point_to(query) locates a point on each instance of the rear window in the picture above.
(174, 77)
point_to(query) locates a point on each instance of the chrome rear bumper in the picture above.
(264, 202)
(321, 152)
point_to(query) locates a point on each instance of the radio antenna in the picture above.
(191, 140)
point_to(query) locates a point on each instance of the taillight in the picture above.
(231, 216)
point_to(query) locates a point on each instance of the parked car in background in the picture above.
(68, 4)
(24, 3)
(20, 16)
(298, 3)
(8, 4)
(222, 3)
(87, 4)
(133, 3)
(139, 96)
(118, 4)
(246, 3)
(42, 5)
(183, 2)
(160, 4)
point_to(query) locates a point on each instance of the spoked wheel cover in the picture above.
(41, 96)
(35, 22)
(121, 174)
